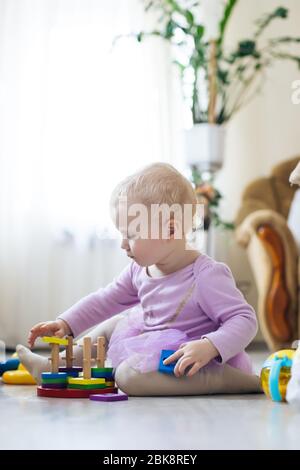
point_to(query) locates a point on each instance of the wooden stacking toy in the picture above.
(78, 382)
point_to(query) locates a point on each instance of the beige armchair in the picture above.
(273, 255)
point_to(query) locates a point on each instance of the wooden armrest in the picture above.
(278, 299)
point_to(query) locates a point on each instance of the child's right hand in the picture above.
(57, 328)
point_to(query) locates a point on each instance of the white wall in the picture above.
(268, 130)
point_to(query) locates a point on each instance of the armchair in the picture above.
(273, 254)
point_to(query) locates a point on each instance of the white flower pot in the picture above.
(205, 146)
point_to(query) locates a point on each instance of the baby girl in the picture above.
(171, 296)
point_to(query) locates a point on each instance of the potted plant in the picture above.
(217, 82)
(208, 195)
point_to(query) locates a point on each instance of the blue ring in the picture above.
(278, 363)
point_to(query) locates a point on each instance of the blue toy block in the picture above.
(168, 369)
(11, 364)
(71, 371)
(54, 375)
(103, 375)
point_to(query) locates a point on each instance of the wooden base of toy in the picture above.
(71, 393)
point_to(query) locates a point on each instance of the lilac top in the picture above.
(214, 308)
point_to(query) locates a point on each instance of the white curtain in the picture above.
(76, 115)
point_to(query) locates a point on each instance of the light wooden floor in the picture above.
(219, 422)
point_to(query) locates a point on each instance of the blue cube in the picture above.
(169, 369)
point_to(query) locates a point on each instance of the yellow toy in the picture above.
(276, 373)
(21, 376)
(82, 381)
(55, 340)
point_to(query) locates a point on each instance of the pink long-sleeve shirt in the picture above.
(214, 308)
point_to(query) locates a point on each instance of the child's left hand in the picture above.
(198, 352)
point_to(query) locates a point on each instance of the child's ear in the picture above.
(173, 227)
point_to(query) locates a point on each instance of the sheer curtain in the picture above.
(76, 115)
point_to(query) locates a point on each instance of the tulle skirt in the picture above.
(141, 349)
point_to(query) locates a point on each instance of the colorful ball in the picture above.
(276, 373)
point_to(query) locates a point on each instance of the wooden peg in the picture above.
(100, 351)
(69, 352)
(87, 350)
(54, 358)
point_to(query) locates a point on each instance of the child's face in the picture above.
(145, 250)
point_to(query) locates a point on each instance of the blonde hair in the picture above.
(158, 183)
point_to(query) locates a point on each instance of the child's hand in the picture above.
(197, 353)
(58, 328)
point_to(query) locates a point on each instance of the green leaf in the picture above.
(169, 30)
(223, 76)
(181, 66)
(280, 12)
(286, 56)
(247, 48)
(141, 36)
(190, 17)
(174, 6)
(284, 39)
(227, 15)
(199, 32)
(149, 5)
(241, 68)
